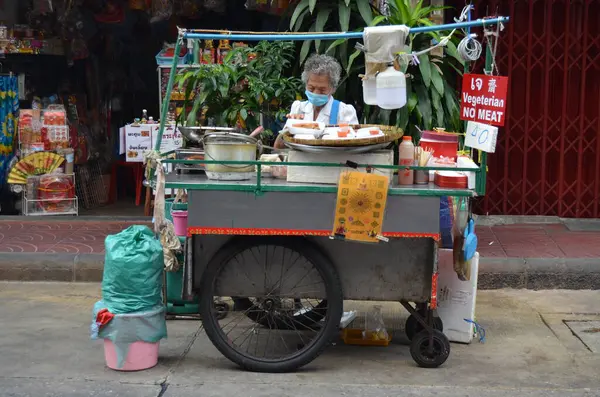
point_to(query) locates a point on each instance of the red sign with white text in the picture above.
(483, 99)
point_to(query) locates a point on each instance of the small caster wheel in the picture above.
(426, 357)
(413, 326)
(221, 309)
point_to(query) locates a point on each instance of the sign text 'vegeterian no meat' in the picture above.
(483, 99)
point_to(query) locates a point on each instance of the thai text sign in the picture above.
(483, 99)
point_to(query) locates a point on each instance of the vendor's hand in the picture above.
(295, 116)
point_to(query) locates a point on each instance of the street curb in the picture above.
(494, 273)
(51, 267)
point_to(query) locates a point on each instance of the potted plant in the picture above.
(253, 86)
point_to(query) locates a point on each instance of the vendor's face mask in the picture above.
(316, 99)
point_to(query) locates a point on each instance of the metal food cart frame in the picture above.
(231, 221)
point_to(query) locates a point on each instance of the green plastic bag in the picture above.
(133, 267)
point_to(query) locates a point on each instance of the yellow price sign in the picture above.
(360, 206)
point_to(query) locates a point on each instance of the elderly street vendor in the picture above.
(321, 77)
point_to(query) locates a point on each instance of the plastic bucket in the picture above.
(443, 144)
(180, 221)
(141, 355)
(169, 205)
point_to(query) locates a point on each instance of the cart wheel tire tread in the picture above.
(413, 326)
(420, 343)
(334, 298)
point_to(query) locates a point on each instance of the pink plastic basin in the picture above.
(141, 355)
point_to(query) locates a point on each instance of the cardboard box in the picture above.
(456, 298)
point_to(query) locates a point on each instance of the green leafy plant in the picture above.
(252, 81)
(329, 15)
(432, 98)
(333, 16)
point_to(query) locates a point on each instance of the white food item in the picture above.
(304, 136)
(290, 126)
(366, 133)
(269, 158)
(332, 133)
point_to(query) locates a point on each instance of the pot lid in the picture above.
(229, 136)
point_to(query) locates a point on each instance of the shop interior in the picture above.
(73, 73)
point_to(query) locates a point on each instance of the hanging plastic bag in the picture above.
(133, 267)
(162, 226)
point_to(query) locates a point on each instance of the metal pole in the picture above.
(190, 34)
(483, 157)
(167, 98)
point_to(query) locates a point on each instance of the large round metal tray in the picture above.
(391, 134)
(336, 149)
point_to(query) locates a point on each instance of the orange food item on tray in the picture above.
(312, 126)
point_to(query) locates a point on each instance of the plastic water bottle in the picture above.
(406, 156)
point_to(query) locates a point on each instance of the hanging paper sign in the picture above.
(171, 138)
(483, 99)
(360, 206)
(138, 139)
(481, 136)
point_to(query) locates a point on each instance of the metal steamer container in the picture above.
(229, 146)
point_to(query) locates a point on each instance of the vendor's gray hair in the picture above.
(323, 65)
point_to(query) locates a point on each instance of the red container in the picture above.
(443, 144)
(451, 180)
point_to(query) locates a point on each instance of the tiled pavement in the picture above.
(57, 237)
(537, 241)
(533, 256)
(506, 241)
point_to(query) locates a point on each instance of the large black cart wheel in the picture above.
(413, 326)
(268, 272)
(427, 354)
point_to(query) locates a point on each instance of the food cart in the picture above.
(269, 248)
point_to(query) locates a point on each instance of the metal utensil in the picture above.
(195, 134)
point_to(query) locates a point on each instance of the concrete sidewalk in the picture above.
(554, 253)
(46, 351)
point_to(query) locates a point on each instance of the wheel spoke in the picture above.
(286, 318)
(276, 312)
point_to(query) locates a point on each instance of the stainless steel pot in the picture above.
(229, 146)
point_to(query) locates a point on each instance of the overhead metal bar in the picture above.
(191, 34)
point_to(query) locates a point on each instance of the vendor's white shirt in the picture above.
(346, 113)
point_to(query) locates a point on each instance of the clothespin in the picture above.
(415, 59)
(351, 164)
